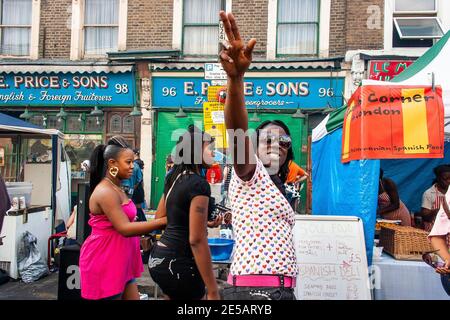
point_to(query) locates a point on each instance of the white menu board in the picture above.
(331, 257)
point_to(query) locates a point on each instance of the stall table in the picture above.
(406, 280)
(38, 221)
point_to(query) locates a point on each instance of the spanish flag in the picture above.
(393, 122)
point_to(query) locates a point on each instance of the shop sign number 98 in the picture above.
(121, 88)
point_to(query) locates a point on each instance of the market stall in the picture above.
(37, 174)
(406, 280)
(351, 188)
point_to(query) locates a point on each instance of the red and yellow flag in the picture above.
(394, 122)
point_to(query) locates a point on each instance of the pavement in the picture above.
(47, 288)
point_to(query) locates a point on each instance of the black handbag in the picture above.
(4, 277)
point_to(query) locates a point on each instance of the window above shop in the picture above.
(419, 28)
(19, 28)
(413, 24)
(196, 26)
(98, 27)
(422, 6)
(297, 27)
(201, 26)
(101, 26)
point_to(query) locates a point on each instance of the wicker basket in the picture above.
(404, 243)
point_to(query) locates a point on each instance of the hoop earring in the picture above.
(113, 171)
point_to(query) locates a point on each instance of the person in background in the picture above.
(440, 240)
(294, 179)
(169, 164)
(214, 174)
(260, 209)
(390, 206)
(71, 227)
(134, 186)
(71, 223)
(110, 258)
(180, 262)
(227, 171)
(5, 203)
(296, 173)
(433, 197)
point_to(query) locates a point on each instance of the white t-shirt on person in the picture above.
(432, 198)
(263, 224)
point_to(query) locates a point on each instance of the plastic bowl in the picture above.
(221, 249)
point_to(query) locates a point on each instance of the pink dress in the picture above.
(109, 260)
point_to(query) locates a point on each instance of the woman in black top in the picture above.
(180, 263)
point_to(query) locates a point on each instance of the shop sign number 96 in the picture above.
(169, 91)
(323, 92)
(326, 92)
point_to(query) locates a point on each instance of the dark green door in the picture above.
(168, 129)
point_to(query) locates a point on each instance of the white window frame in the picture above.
(177, 32)
(436, 5)
(442, 6)
(413, 17)
(34, 33)
(77, 51)
(324, 29)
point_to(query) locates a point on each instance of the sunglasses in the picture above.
(284, 141)
(431, 259)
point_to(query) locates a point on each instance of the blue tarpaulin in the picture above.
(6, 120)
(413, 176)
(349, 189)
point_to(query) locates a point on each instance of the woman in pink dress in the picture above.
(110, 258)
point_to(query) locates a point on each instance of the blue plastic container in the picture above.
(221, 249)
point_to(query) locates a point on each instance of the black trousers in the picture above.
(176, 274)
(258, 293)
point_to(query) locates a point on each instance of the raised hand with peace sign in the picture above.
(236, 56)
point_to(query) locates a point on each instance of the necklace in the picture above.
(114, 185)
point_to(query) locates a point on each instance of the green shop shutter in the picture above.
(168, 129)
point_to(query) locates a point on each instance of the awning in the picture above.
(61, 67)
(316, 64)
(8, 123)
(153, 54)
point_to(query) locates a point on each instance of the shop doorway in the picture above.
(168, 129)
(121, 123)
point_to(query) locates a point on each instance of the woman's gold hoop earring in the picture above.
(113, 171)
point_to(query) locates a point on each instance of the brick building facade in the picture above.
(150, 25)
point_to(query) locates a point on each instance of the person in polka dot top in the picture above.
(264, 263)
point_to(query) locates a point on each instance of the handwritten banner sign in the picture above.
(394, 122)
(70, 89)
(268, 93)
(386, 70)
